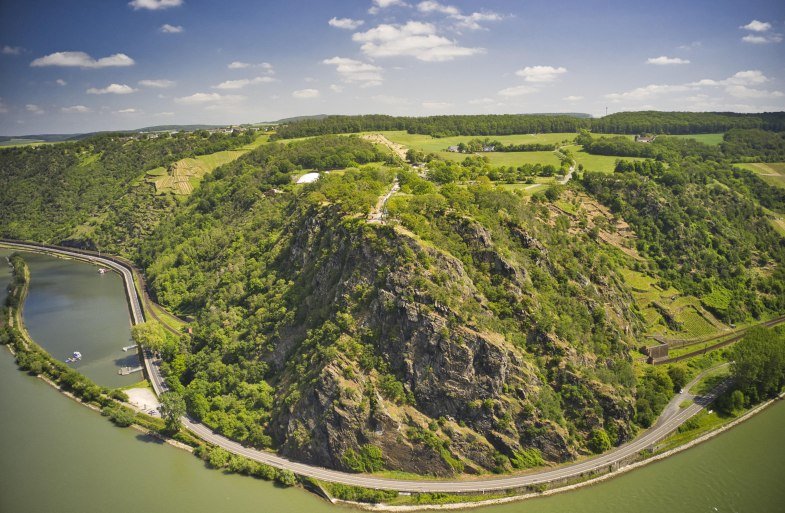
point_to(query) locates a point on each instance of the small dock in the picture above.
(129, 370)
(128, 348)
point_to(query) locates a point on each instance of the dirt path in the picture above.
(398, 149)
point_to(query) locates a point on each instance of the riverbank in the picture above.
(243, 468)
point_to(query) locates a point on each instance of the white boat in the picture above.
(101, 270)
(75, 357)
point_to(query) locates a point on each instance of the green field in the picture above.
(184, 175)
(12, 143)
(772, 173)
(712, 139)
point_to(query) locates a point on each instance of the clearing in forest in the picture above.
(181, 177)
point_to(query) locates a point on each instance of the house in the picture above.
(645, 138)
(453, 149)
(489, 148)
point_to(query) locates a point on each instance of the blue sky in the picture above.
(89, 65)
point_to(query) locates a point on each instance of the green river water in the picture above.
(57, 456)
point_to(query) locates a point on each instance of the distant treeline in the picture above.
(479, 145)
(507, 124)
(750, 145)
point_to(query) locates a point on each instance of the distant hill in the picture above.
(79, 136)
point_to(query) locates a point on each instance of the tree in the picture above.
(599, 441)
(678, 374)
(172, 408)
(150, 335)
(285, 477)
(759, 363)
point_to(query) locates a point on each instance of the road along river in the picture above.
(666, 425)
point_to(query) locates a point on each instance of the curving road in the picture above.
(672, 417)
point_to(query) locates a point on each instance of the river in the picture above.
(57, 456)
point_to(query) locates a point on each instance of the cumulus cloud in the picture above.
(11, 50)
(738, 85)
(207, 98)
(34, 109)
(239, 84)
(306, 93)
(759, 37)
(127, 111)
(345, 23)
(75, 109)
(757, 26)
(572, 98)
(171, 29)
(157, 84)
(540, 73)
(741, 91)
(82, 60)
(517, 91)
(336, 88)
(482, 101)
(665, 61)
(378, 5)
(356, 72)
(155, 5)
(467, 21)
(61, 82)
(413, 39)
(112, 89)
(762, 40)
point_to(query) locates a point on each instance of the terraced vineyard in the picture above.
(182, 176)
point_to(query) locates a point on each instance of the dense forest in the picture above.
(506, 124)
(49, 190)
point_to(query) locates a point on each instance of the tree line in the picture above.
(507, 124)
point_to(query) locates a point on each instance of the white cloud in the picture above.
(244, 65)
(472, 21)
(429, 6)
(35, 109)
(164, 114)
(61, 82)
(345, 23)
(648, 91)
(155, 5)
(383, 4)
(75, 109)
(467, 21)
(665, 61)
(737, 85)
(356, 72)
(306, 93)
(540, 73)
(158, 84)
(572, 98)
(112, 89)
(482, 101)
(437, 105)
(11, 50)
(239, 84)
(517, 91)
(82, 60)
(413, 39)
(127, 111)
(201, 98)
(761, 40)
(171, 29)
(757, 26)
(336, 88)
(740, 91)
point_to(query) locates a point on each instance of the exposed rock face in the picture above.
(471, 399)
